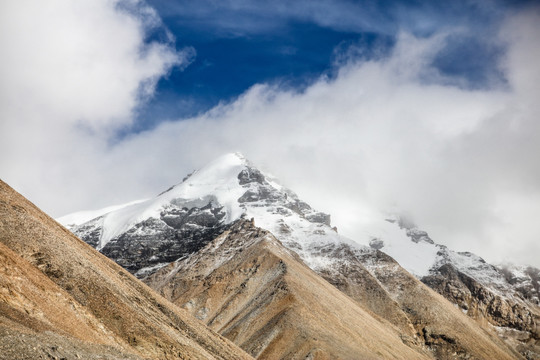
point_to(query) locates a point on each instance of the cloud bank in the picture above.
(71, 73)
(384, 133)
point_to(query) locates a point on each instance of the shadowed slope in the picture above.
(63, 296)
(254, 291)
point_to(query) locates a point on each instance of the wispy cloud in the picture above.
(244, 18)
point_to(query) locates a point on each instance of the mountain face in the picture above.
(149, 235)
(61, 299)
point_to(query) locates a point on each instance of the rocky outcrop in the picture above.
(504, 298)
(264, 194)
(478, 301)
(525, 280)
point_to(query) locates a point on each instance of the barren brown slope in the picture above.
(59, 297)
(438, 323)
(38, 319)
(251, 289)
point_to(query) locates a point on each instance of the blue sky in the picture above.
(241, 43)
(361, 107)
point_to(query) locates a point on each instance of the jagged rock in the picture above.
(153, 242)
(250, 175)
(524, 279)
(376, 243)
(319, 217)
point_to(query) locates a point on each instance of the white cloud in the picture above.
(71, 72)
(385, 133)
(82, 62)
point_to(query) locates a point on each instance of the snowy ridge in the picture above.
(385, 235)
(81, 217)
(215, 183)
(525, 279)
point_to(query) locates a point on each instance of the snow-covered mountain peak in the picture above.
(145, 236)
(223, 191)
(216, 184)
(80, 217)
(230, 188)
(217, 175)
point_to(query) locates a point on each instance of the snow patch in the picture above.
(417, 258)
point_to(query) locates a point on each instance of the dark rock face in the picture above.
(261, 193)
(376, 243)
(319, 217)
(478, 301)
(419, 235)
(177, 233)
(412, 231)
(444, 346)
(135, 253)
(250, 175)
(207, 216)
(89, 232)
